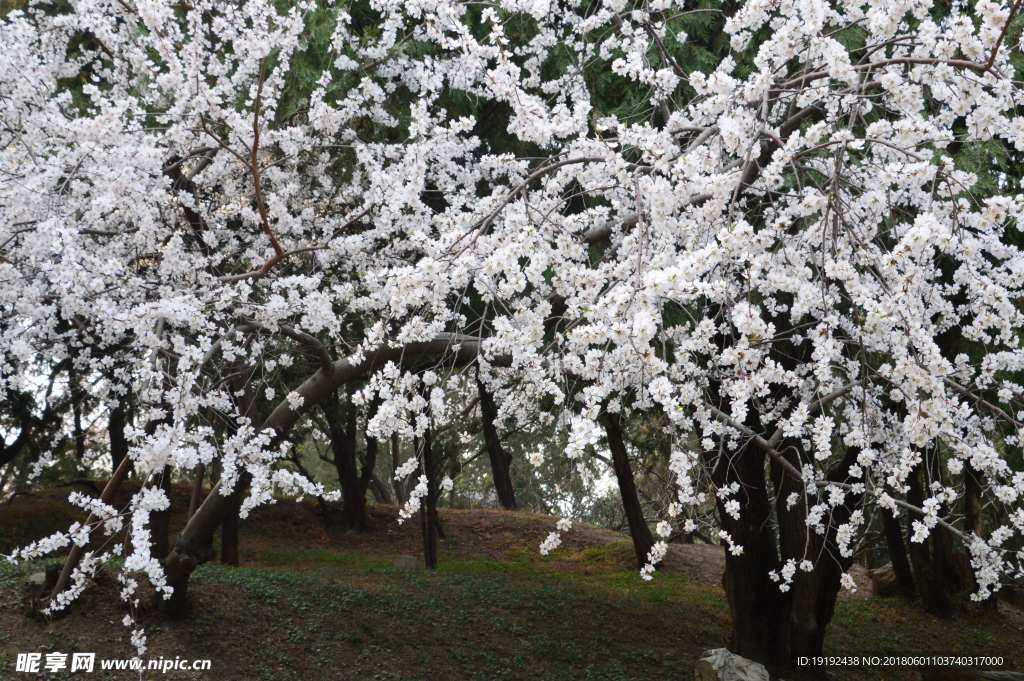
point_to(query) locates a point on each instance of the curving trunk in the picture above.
(195, 543)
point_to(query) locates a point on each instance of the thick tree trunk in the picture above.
(501, 460)
(754, 599)
(342, 420)
(898, 555)
(160, 521)
(643, 541)
(809, 603)
(928, 566)
(118, 442)
(770, 625)
(195, 543)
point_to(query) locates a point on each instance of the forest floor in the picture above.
(310, 604)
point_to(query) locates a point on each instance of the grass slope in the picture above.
(309, 604)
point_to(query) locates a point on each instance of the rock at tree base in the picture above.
(37, 579)
(966, 674)
(721, 665)
(883, 582)
(406, 562)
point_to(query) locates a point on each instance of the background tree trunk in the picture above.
(229, 535)
(898, 555)
(161, 520)
(927, 563)
(401, 495)
(342, 420)
(197, 490)
(77, 405)
(975, 524)
(643, 541)
(428, 509)
(118, 442)
(501, 461)
(380, 491)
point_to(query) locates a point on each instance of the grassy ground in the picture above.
(308, 604)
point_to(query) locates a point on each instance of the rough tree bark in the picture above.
(754, 600)
(643, 541)
(808, 606)
(501, 460)
(772, 626)
(195, 543)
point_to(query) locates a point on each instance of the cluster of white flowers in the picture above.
(552, 542)
(415, 500)
(786, 247)
(654, 558)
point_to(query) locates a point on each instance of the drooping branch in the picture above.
(793, 471)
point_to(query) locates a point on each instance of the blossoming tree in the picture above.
(229, 211)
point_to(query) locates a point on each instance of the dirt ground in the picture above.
(311, 603)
